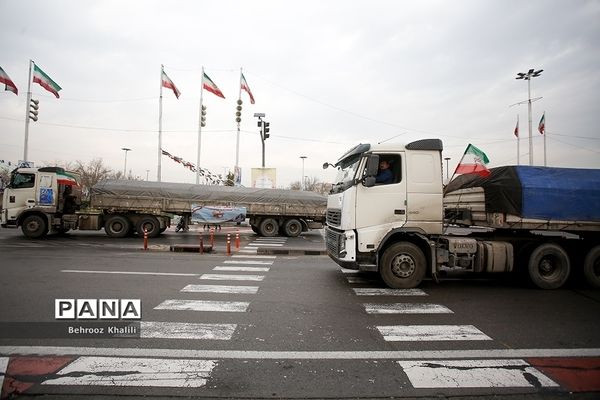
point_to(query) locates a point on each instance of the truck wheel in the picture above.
(117, 226)
(402, 266)
(269, 227)
(549, 266)
(150, 224)
(591, 267)
(34, 227)
(292, 228)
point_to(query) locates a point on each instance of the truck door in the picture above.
(382, 207)
(19, 195)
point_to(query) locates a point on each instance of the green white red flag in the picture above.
(168, 83)
(474, 161)
(517, 128)
(45, 81)
(64, 178)
(542, 124)
(209, 85)
(245, 87)
(8, 83)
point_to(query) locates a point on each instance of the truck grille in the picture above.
(333, 242)
(334, 217)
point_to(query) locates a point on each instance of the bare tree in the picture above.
(91, 173)
(312, 184)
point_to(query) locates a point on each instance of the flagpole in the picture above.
(456, 169)
(160, 99)
(27, 102)
(518, 143)
(545, 133)
(199, 130)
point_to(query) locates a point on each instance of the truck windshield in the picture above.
(346, 173)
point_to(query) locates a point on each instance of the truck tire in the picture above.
(403, 266)
(34, 226)
(549, 266)
(117, 226)
(591, 267)
(269, 227)
(292, 227)
(150, 224)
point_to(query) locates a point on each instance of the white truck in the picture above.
(543, 220)
(42, 200)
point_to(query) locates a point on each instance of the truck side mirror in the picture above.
(372, 166)
(369, 181)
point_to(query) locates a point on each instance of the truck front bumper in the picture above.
(341, 247)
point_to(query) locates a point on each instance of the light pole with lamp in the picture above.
(528, 76)
(302, 182)
(125, 166)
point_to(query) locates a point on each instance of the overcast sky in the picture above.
(327, 74)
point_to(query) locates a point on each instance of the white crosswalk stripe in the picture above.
(473, 374)
(120, 371)
(220, 277)
(186, 330)
(253, 256)
(388, 292)
(242, 269)
(248, 262)
(220, 289)
(406, 308)
(203, 305)
(422, 333)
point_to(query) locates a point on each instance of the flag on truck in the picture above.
(8, 83)
(245, 87)
(64, 178)
(209, 85)
(168, 83)
(542, 124)
(45, 81)
(473, 161)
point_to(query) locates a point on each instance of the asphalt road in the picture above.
(252, 325)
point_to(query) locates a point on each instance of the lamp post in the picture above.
(125, 166)
(447, 170)
(528, 76)
(302, 181)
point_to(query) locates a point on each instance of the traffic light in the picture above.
(34, 106)
(266, 129)
(238, 113)
(203, 116)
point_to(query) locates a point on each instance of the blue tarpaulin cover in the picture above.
(547, 193)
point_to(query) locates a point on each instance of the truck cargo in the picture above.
(43, 200)
(543, 221)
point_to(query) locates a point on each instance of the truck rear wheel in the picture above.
(117, 226)
(591, 267)
(292, 227)
(34, 227)
(150, 224)
(402, 266)
(549, 266)
(269, 227)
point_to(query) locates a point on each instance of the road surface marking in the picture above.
(3, 365)
(248, 256)
(242, 269)
(218, 277)
(271, 239)
(248, 262)
(298, 355)
(127, 272)
(220, 289)
(203, 305)
(120, 371)
(186, 330)
(473, 374)
(388, 292)
(424, 333)
(254, 244)
(246, 251)
(406, 308)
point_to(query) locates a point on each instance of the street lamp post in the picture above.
(302, 184)
(125, 166)
(528, 76)
(447, 170)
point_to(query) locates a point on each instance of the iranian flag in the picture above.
(517, 128)
(64, 178)
(209, 85)
(168, 83)
(45, 81)
(542, 124)
(474, 161)
(9, 84)
(245, 87)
